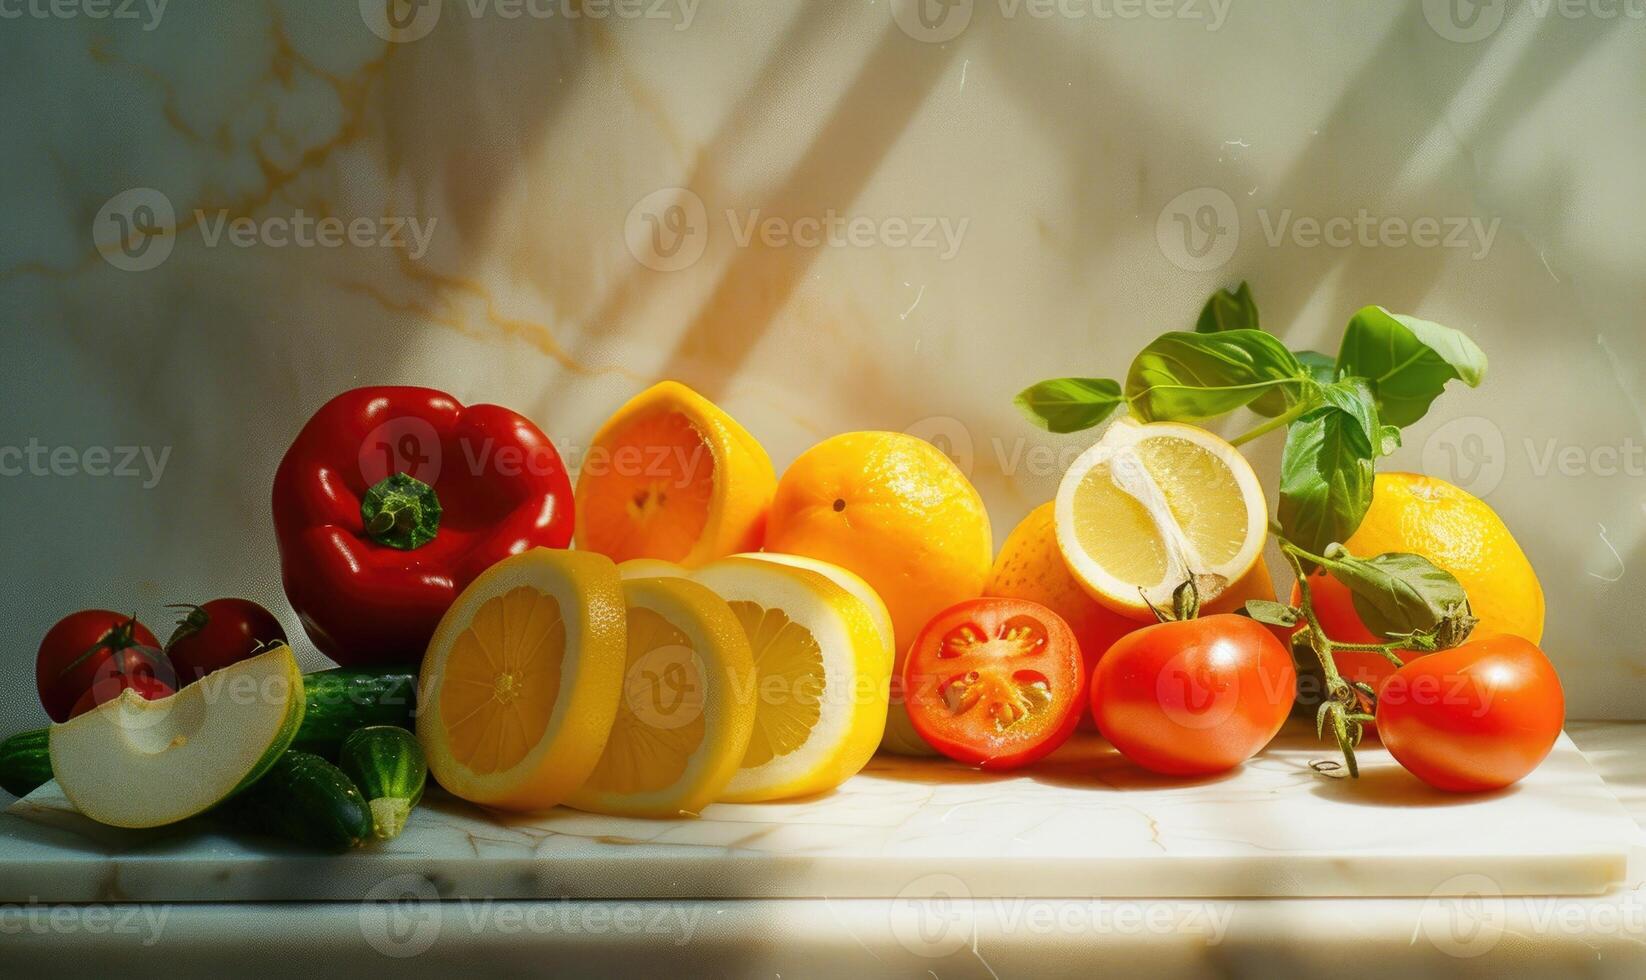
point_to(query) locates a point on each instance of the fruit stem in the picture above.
(401, 512)
(1341, 697)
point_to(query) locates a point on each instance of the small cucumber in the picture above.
(25, 762)
(344, 699)
(306, 799)
(387, 764)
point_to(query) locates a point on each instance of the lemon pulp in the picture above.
(502, 678)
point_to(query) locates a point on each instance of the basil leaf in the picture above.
(1321, 367)
(1407, 361)
(1190, 377)
(1070, 404)
(1228, 309)
(1326, 467)
(1402, 595)
(1271, 613)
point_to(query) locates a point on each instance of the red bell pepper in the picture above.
(392, 500)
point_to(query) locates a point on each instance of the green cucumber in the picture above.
(306, 799)
(338, 702)
(387, 764)
(344, 699)
(25, 762)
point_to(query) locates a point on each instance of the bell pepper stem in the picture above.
(401, 512)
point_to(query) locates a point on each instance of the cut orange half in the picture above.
(671, 476)
(687, 711)
(521, 682)
(1153, 505)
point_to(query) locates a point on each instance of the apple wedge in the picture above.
(137, 763)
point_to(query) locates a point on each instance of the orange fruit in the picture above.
(1423, 515)
(671, 476)
(897, 512)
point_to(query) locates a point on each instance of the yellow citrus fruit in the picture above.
(522, 679)
(684, 721)
(895, 511)
(1152, 504)
(1458, 531)
(1030, 566)
(822, 672)
(671, 476)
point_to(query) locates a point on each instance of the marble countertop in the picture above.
(1473, 930)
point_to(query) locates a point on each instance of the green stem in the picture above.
(1278, 422)
(1337, 689)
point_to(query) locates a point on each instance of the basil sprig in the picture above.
(1341, 414)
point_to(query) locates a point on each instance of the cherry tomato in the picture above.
(1476, 717)
(75, 649)
(219, 633)
(142, 669)
(1194, 697)
(995, 683)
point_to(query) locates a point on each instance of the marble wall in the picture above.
(827, 215)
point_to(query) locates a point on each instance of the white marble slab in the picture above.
(1084, 824)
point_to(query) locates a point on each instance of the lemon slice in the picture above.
(684, 721)
(522, 679)
(900, 736)
(1151, 505)
(822, 672)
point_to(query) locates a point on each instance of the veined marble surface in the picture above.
(1085, 823)
(963, 205)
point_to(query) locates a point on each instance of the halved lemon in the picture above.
(684, 721)
(671, 476)
(522, 679)
(900, 736)
(1151, 505)
(822, 673)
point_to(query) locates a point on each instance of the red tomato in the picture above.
(1475, 717)
(1194, 697)
(76, 649)
(220, 633)
(142, 669)
(995, 683)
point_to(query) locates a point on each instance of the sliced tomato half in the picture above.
(995, 683)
